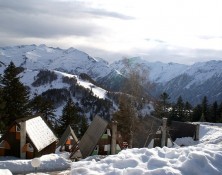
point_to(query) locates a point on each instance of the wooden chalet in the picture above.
(67, 140)
(28, 138)
(103, 147)
(160, 134)
(98, 140)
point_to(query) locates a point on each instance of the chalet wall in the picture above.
(47, 150)
(181, 129)
(13, 139)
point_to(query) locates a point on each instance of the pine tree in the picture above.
(83, 125)
(179, 108)
(15, 95)
(205, 108)
(220, 113)
(161, 109)
(187, 112)
(70, 116)
(2, 104)
(197, 113)
(45, 107)
(214, 112)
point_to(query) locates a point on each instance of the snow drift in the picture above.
(203, 158)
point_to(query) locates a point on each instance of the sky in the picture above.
(182, 31)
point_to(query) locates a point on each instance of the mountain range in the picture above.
(192, 82)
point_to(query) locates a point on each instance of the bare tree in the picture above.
(133, 97)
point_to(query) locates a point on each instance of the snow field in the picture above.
(156, 161)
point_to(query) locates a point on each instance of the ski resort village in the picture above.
(110, 87)
(81, 115)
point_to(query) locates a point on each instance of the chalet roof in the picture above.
(37, 130)
(69, 131)
(39, 133)
(92, 136)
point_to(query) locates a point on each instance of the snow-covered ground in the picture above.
(51, 162)
(203, 157)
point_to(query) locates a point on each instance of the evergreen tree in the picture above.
(220, 113)
(187, 112)
(197, 113)
(15, 95)
(205, 109)
(214, 112)
(173, 114)
(179, 109)
(162, 106)
(2, 104)
(45, 107)
(83, 125)
(70, 116)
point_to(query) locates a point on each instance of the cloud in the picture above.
(102, 12)
(75, 8)
(209, 37)
(48, 19)
(114, 29)
(155, 40)
(44, 26)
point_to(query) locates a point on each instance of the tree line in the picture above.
(185, 112)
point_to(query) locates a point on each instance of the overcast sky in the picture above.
(182, 31)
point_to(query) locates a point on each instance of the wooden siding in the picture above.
(2, 151)
(182, 129)
(65, 141)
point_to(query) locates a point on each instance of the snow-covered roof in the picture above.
(39, 133)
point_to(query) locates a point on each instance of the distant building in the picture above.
(67, 139)
(28, 138)
(103, 147)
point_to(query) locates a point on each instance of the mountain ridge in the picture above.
(174, 78)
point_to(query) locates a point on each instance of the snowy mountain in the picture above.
(42, 57)
(59, 87)
(59, 74)
(192, 82)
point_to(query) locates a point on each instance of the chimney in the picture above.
(114, 135)
(22, 139)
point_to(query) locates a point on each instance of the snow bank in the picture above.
(51, 162)
(185, 141)
(5, 172)
(203, 158)
(156, 161)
